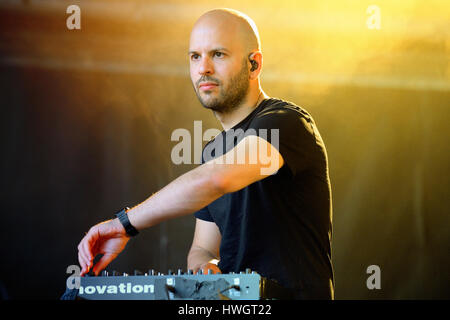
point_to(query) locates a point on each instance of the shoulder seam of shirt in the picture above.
(283, 105)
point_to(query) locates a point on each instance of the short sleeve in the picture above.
(291, 133)
(203, 214)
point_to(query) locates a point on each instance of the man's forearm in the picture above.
(185, 195)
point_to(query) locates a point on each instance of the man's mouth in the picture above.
(207, 86)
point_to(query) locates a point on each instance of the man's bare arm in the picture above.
(204, 251)
(188, 193)
(206, 183)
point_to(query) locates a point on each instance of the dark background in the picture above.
(87, 117)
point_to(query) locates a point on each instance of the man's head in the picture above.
(222, 45)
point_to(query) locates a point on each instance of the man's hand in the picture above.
(209, 266)
(108, 238)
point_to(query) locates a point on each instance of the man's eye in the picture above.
(195, 56)
(219, 54)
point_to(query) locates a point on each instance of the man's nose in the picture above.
(206, 66)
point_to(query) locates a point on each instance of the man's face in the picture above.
(218, 67)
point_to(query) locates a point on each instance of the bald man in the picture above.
(262, 196)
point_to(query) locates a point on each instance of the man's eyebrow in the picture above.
(220, 49)
(213, 50)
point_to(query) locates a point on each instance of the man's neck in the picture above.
(232, 118)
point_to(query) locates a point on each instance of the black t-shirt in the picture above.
(280, 226)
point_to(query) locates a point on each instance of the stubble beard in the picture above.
(228, 98)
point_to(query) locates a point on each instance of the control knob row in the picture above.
(152, 272)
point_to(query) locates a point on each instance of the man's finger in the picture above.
(86, 253)
(84, 261)
(88, 244)
(81, 261)
(83, 255)
(103, 262)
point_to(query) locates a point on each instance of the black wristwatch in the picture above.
(123, 218)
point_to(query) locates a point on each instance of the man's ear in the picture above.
(255, 59)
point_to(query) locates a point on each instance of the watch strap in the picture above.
(123, 218)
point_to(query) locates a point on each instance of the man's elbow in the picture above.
(221, 184)
(215, 180)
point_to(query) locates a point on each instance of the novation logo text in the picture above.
(124, 288)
